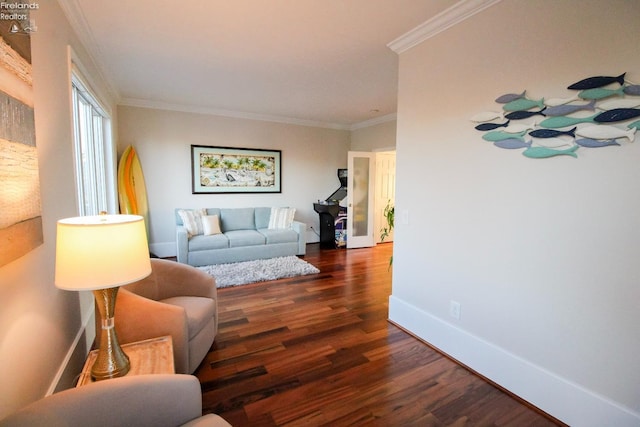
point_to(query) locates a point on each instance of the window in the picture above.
(94, 149)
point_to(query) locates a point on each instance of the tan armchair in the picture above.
(177, 300)
(142, 400)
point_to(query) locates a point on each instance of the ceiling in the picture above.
(320, 62)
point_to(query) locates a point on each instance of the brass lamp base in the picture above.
(111, 362)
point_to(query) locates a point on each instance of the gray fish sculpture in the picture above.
(595, 82)
(617, 115)
(548, 133)
(492, 126)
(596, 143)
(566, 109)
(504, 99)
(544, 152)
(632, 90)
(512, 143)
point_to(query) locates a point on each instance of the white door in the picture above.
(361, 198)
(385, 191)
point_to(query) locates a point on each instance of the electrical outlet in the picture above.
(404, 217)
(454, 309)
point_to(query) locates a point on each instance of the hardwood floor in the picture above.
(318, 350)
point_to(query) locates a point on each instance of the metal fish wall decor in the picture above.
(567, 123)
(595, 82)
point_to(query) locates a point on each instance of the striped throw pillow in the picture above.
(281, 218)
(192, 220)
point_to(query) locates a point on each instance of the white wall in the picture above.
(379, 137)
(162, 138)
(38, 322)
(541, 254)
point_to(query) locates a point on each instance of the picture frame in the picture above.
(216, 170)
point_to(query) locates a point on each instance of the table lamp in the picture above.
(100, 253)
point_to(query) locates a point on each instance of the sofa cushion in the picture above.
(262, 217)
(201, 243)
(245, 238)
(199, 311)
(279, 236)
(237, 219)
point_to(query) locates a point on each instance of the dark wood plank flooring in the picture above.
(318, 350)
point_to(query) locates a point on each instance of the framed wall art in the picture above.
(235, 170)
(20, 201)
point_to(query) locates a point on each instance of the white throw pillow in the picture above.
(211, 225)
(192, 220)
(281, 218)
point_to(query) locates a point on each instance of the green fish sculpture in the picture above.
(499, 135)
(523, 104)
(635, 125)
(600, 93)
(544, 152)
(564, 121)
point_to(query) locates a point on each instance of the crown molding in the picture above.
(457, 13)
(156, 105)
(373, 122)
(78, 23)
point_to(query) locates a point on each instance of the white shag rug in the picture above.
(242, 273)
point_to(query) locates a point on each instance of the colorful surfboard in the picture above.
(132, 192)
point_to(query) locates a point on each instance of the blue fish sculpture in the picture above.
(512, 143)
(504, 99)
(617, 115)
(523, 104)
(562, 121)
(492, 126)
(635, 125)
(632, 90)
(520, 115)
(498, 135)
(595, 82)
(566, 109)
(544, 152)
(548, 133)
(600, 93)
(596, 143)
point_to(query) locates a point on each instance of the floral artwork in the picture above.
(234, 170)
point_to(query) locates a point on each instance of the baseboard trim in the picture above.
(552, 394)
(163, 250)
(74, 360)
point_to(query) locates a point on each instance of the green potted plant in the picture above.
(389, 216)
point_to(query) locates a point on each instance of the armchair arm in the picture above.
(138, 318)
(175, 279)
(182, 244)
(142, 400)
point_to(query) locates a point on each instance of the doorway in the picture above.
(370, 191)
(385, 190)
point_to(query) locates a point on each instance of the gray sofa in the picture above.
(245, 236)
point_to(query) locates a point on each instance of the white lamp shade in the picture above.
(100, 252)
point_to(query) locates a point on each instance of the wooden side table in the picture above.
(152, 356)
